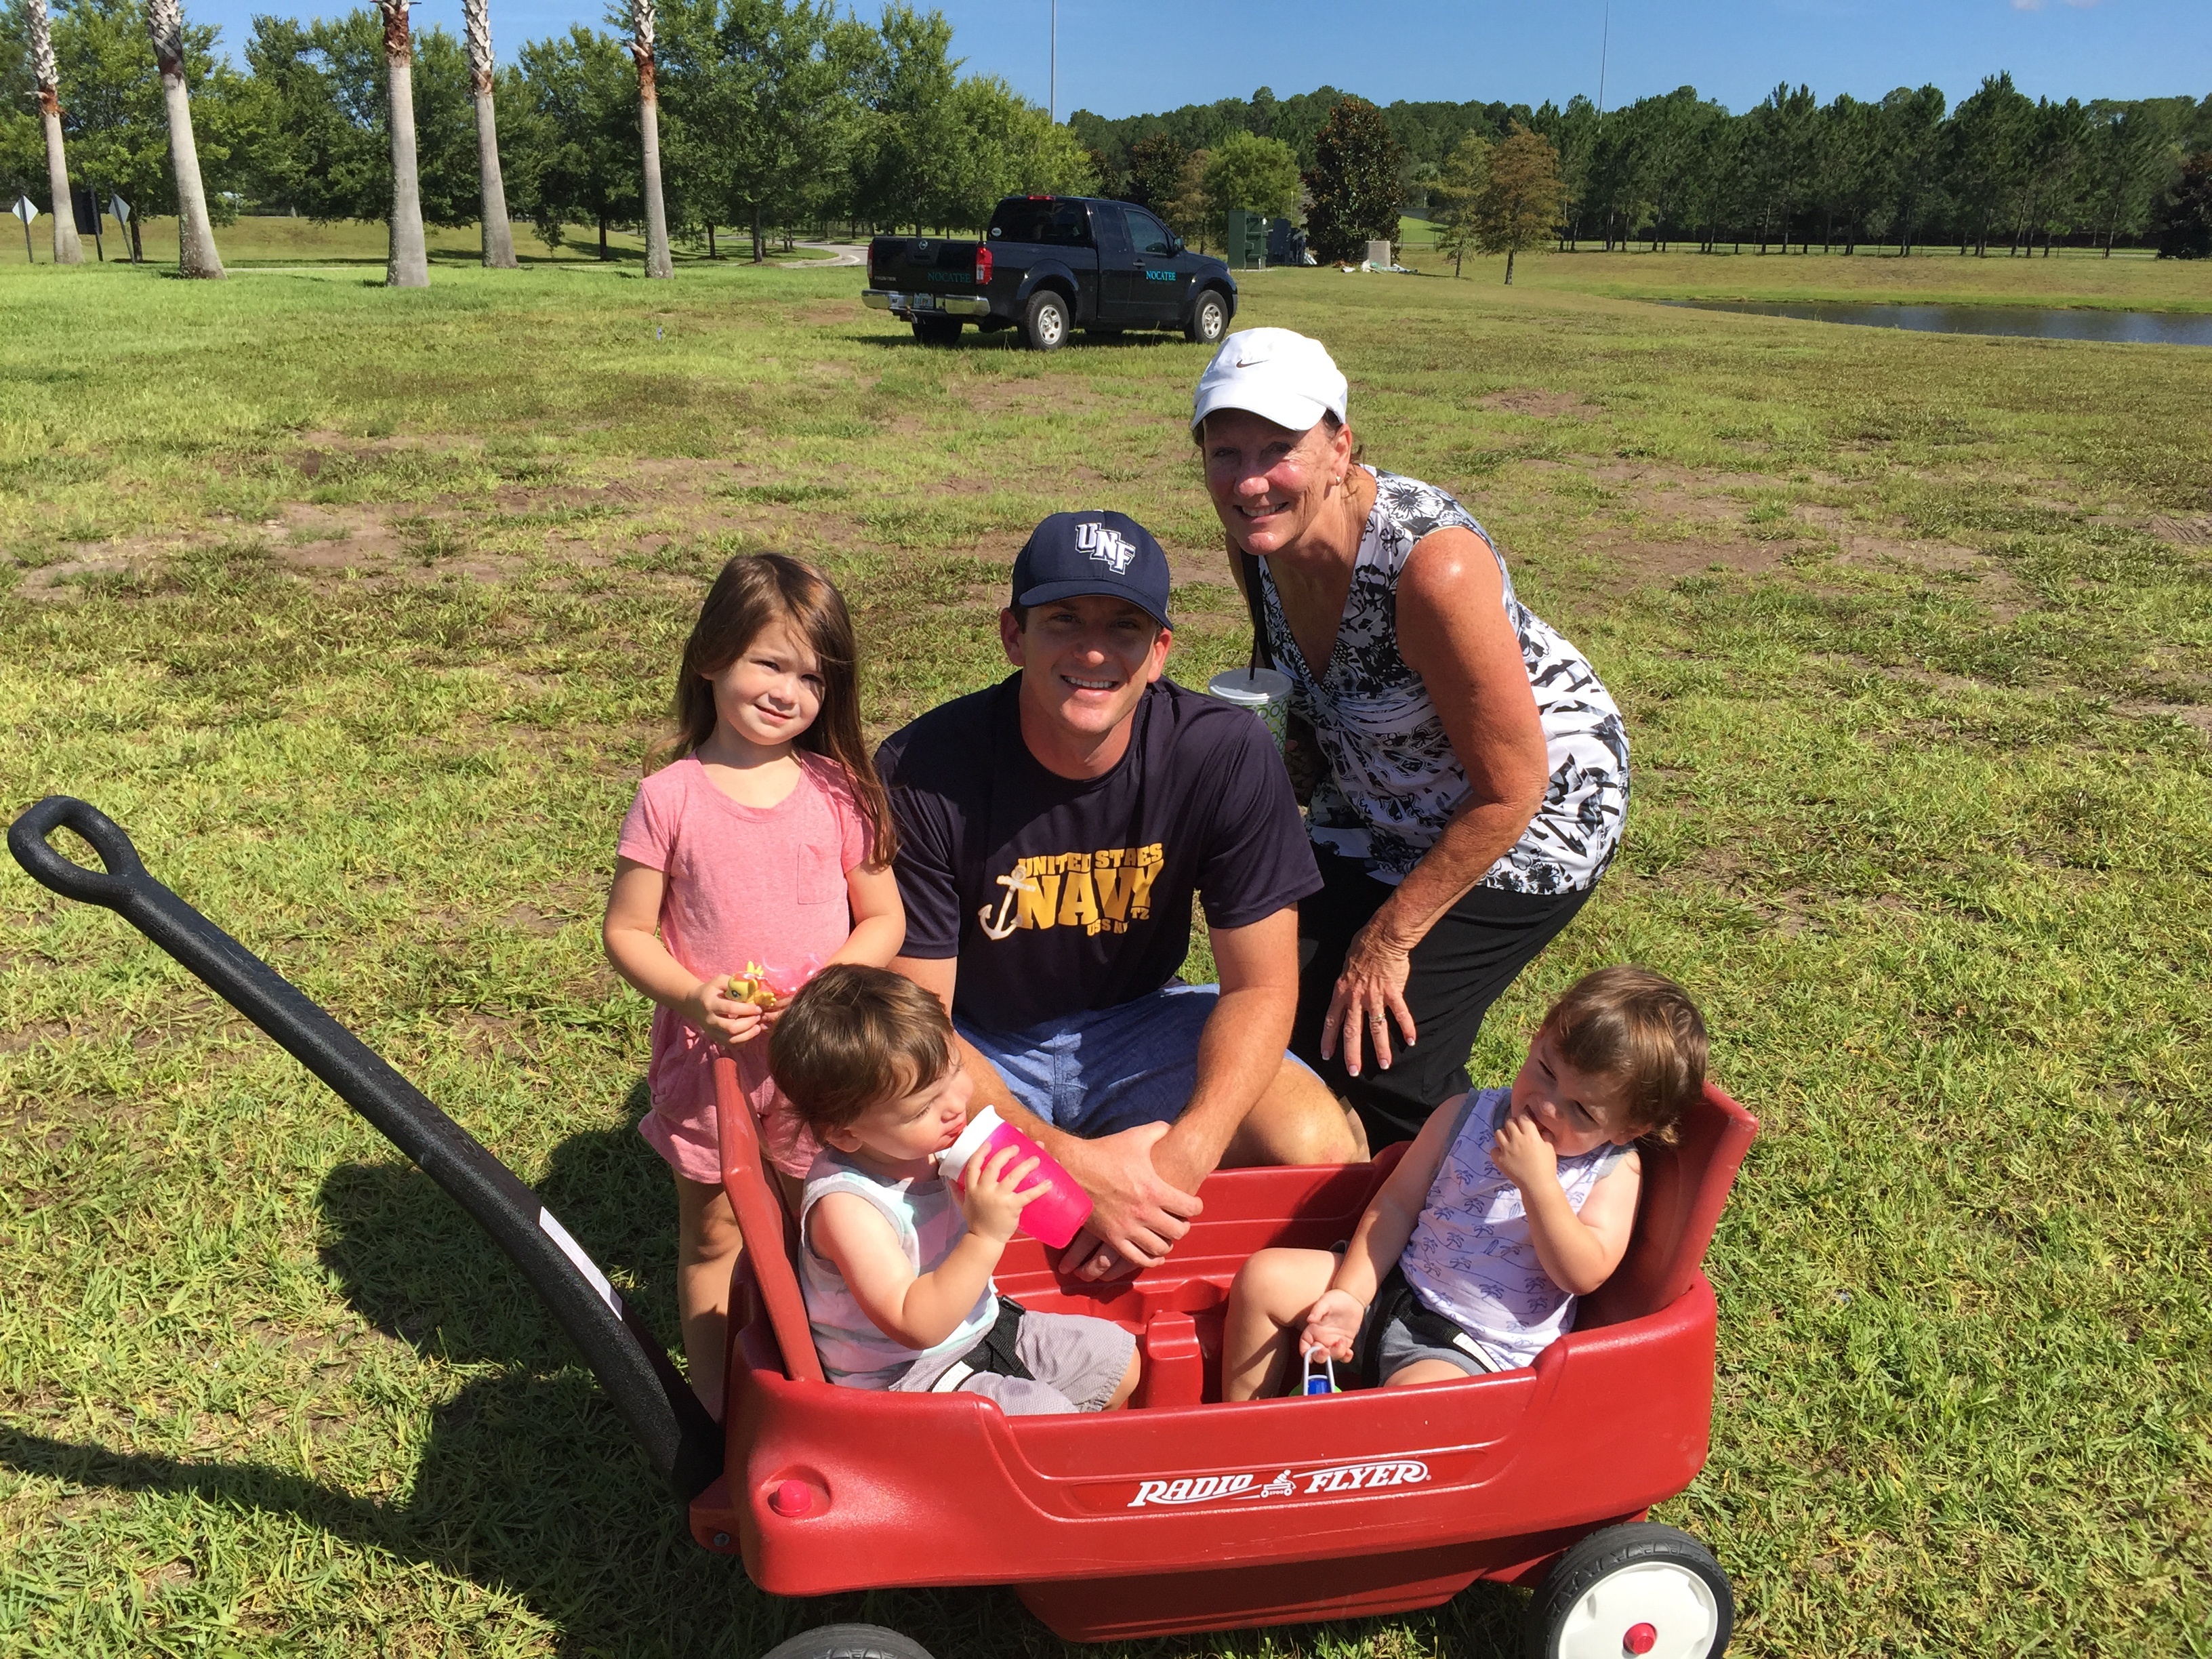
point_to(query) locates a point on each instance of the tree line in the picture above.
(1907, 170)
(702, 118)
(707, 116)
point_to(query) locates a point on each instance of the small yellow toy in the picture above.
(751, 986)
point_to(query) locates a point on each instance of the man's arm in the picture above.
(1132, 1208)
(1241, 1048)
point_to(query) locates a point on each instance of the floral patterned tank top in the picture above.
(1393, 782)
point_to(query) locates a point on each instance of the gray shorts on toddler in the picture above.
(1077, 1363)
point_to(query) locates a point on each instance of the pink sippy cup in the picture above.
(1051, 1218)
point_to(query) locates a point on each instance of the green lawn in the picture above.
(2131, 280)
(268, 241)
(357, 609)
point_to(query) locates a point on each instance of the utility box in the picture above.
(1286, 244)
(1247, 240)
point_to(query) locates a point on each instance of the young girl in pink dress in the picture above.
(765, 839)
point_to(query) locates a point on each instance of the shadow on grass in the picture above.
(1009, 339)
(529, 1484)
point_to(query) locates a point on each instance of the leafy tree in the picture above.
(1521, 201)
(769, 103)
(1353, 182)
(1849, 167)
(1011, 148)
(1156, 170)
(1913, 141)
(1259, 175)
(1779, 145)
(1573, 132)
(914, 164)
(586, 164)
(1460, 184)
(2127, 156)
(1987, 156)
(1187, 212)
(328, 153)
(2181, 224)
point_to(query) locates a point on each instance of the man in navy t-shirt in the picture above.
(1052, 832)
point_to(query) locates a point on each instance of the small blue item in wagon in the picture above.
(1324, 1381)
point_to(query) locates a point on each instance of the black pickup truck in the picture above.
(1049, 264)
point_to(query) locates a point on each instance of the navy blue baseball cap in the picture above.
(1093, 552)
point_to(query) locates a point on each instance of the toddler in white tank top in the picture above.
(1511, 1204)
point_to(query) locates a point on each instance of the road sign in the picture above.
(120, 209)
(24, 211)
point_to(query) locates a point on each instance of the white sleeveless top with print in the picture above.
(1393, 781)
(1471, 1259)
(927, 1218)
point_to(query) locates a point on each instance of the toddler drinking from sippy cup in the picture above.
(895, 1266)
(1511, 1204)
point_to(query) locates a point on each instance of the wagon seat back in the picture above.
(762, 1216)
(1684, 1187)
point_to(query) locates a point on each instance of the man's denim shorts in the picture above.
(1098, 1073)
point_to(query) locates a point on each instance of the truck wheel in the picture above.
(1044, 324)
(848, 1642)
(1209, 319)
(1640, 1589)
(937, 331)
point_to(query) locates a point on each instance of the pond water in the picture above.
(2035, 322)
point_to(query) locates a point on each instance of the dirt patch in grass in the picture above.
(1528, 400)
(2184, 533)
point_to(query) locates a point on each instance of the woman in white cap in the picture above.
(1473, 772)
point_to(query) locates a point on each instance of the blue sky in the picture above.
(1123, 57)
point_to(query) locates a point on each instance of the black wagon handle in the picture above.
(28, 840)
(679, 1436)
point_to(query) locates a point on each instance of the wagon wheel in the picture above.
(849, 1642)
(1641, 1589)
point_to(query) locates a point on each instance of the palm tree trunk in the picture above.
(657, 262)
(410, 262)
(498, 236)
(67, 249)
(196, 254)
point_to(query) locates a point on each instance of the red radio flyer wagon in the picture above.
(1180, 1514)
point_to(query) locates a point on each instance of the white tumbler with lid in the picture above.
(1266, 692)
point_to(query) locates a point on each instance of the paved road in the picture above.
(840, 253)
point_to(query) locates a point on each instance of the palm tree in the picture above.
(67, 250)
(498, 238)
(657, 262)
(409, 266)
(196, 254)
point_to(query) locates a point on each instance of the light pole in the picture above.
(1052, 97)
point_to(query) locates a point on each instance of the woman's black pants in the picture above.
(1476, 949)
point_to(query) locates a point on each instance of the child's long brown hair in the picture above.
(753, 592)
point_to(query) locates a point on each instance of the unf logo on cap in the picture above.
(1109, 547)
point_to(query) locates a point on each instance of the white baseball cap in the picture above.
(1272, 372)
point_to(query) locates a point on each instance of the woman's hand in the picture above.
(723, 1018)
(1370, 990)
(1523, 1156)
(1333, 1325)
(990, 1202)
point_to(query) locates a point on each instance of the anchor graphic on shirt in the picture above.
(1018, 881)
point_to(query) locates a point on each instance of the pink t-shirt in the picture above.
(744, 884)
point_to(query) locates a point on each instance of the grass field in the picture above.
(357, 609)
(262, 240)
(2130, 281)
